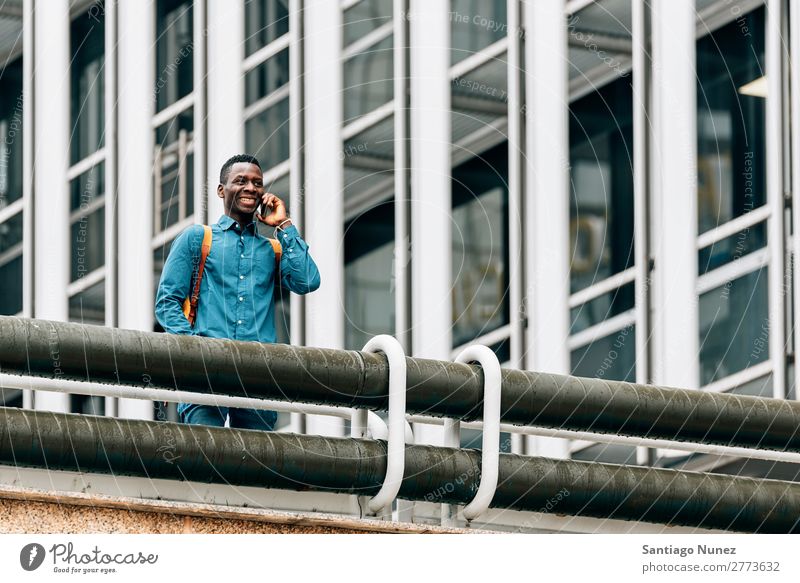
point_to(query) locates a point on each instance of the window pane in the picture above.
(601, 206)
(732, 248)
(612, 357)
(87, 37)
(87, 404)
(88, 243)
(734, 326)
(11, 133)
(480, 246)
(607, 453)
(174, 51)
(761, 387)
(267, 135)
(88, 306)
(87, 187)
(368, 79)
(365, 17)
(369, 275)
(11, 233)
(267, 77)
(602, 308)
(265, 21)
(474, 25)
(731, 163)
(11, 287)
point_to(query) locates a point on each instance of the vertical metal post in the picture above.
(139, 176)
(224, 94)
(52, 259)
(200, 112)
(775, 198)
(431, 206)
(794, 75)
(324, 208)
(183, 174)
(28, 145)
(547, 195)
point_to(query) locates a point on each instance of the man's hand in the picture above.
(278, 214)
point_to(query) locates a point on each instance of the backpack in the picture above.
(190, 303)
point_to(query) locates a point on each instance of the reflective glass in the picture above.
(267, 77)
(368, 79)
(174, 51)
(267, 135)
(11, 105)
(612, 357)
(363, 18)
(88, 306)
(88, 243)
(474, 25)
(264, 21)
(87, 81)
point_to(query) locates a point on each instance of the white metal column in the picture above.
(675, 164)
(794, 75)
(324, 206)
(27, 170)
(774, 131)
(431, 201)
(201, 192)
(52, 257)
(135, 104)
(547, 198)
(225, 93)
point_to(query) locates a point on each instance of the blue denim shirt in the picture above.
(236, 292)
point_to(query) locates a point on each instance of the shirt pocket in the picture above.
(263, 263)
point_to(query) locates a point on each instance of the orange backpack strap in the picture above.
(190, 303)
(276, 247)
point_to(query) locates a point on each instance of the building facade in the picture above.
(598, 188)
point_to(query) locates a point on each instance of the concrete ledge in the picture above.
(26, 510)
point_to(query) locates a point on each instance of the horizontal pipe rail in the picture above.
(360, 380)
(83, 443)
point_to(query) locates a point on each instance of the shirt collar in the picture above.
(226, 222)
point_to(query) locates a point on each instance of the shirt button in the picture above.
(241, 277)
(236, 225)
(242, 255)
(241, 238)
(241, 299)
(238, 322)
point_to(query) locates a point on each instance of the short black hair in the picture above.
(226, 167)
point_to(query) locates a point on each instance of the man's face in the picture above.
(243, 190)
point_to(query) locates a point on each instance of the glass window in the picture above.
(267, 77)
(10, 398)
(87, 79)
(265, 21)
(474, 25)
(87, 404)
(601, 173)
(363, 18)
(267, 135)
(612, 357)
(480, 245)
(368, 79)
(174, 156)
(88, 222)
(731, 104)
(11, 266)
(369, 275)
(11, 133)
(732, 248)
(88, 306)
(607, 453)
(734, 326)
(174, 51)
(603, 307)
(761, 387)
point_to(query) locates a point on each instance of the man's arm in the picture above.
(176, 279)
(299, 273)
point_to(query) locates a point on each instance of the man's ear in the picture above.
(220, 191)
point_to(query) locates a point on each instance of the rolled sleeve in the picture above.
(299, 273)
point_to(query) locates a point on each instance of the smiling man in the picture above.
(237, 284)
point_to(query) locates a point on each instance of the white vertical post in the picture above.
(794, 75)
(324, 208)
(640, 184)
(225, 97)
(27, 170)
(297, 304)
(112, 216)
(402, 237)
(675, 158)
(52, 258)
(431, 206)
(201, 193)
(547, 197)
(775, 200)
(135, 107)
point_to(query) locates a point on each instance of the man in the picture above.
(236, 291)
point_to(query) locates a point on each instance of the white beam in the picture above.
(51, 191)
(431, 204)
(135, 108)
(324, 206)
(676, 362)
(547, 197)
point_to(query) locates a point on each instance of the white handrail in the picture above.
(396, 447)
(490, 442)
